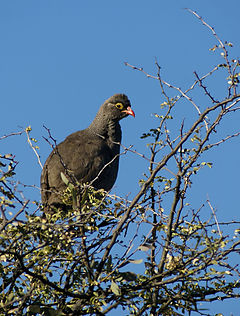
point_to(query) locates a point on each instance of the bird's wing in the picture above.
(83, 157)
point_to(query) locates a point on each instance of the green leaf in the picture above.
(136, 261)
(66, 181)
(115, 288)
(64, 178)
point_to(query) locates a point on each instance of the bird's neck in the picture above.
(109, 130)
(114, 132)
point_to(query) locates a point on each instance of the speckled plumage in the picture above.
(90, 155)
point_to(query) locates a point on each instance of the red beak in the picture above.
(129, 111)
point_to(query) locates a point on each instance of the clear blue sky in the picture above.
(59, 60)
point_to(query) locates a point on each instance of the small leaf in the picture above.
(145, 247)
(64, 178)
(136, 261)
(115, 288)
(66, 181)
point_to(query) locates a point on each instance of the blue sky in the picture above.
(59, 60)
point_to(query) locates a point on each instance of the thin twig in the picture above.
(215, 217)
(222, 140)
(33, 148)
(205, 88)
(11, 134)
(221, 45)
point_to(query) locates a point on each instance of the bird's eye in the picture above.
(119, 106)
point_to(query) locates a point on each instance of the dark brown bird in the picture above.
(88, 156)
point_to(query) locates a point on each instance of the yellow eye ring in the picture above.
(119, 106)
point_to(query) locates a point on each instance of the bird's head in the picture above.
(118, 106)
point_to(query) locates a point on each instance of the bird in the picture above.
(87, 156)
